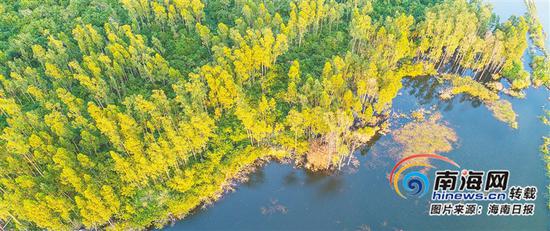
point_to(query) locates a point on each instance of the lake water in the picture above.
(283, 197)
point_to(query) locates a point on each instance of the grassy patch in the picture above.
(503, 111)
(428, 136)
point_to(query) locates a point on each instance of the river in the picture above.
(282, 197)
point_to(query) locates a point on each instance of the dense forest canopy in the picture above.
(127, 114)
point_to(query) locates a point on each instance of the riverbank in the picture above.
(345, 200)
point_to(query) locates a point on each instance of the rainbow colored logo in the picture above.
(415, 183)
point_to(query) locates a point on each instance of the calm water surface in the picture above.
(282, 197)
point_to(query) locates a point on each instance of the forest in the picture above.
(130, 114)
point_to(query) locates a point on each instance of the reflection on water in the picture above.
(331, 186)
(313, 178)
(290, 179)
(425, 89)
(255, 178)
(426, 92)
